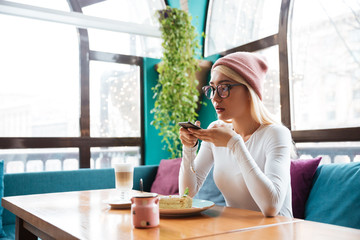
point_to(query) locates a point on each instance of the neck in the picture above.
(245, 127)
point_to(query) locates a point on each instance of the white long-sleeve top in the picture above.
(252, 175)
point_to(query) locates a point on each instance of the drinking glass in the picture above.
(124, 179)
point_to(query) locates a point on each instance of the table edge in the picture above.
(34, 220)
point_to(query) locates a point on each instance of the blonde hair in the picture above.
(258, 111)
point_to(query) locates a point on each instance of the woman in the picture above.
(249, 150)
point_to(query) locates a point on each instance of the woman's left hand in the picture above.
(219, 135)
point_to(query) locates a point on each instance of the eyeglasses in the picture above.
(223, 90)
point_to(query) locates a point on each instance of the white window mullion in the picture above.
(76, 19)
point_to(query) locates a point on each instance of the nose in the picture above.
(216, 97)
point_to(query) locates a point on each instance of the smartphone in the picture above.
(188, 125)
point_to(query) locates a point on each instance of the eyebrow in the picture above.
(222, 81)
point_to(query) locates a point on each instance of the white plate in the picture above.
(119, 204)
(197, 207)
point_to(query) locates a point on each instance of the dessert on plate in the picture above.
(176, 201)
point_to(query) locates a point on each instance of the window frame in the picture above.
(85, 142)
(280, 39)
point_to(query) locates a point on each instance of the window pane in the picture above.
(124, 43)
(134, 11)
(325, 64)
(105, 157)
(331, 152)
(39, 79)
(114, 100)
(271, 88)
(53, 4)
(37, 160)
(235, 22)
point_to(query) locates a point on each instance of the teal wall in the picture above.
(207, 114)
(197, 10)
(174, 3)
(153, 147)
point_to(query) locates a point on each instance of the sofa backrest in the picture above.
(55, 181)
(58, 181)
(335, 195)
(65, 181)
(147, 173)
(209, 190)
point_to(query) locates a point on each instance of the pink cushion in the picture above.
(302, 172)
(167, 178)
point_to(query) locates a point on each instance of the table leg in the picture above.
(21, 232)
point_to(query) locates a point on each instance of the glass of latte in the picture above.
(124, 178)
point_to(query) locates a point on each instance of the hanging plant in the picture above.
(175, 93)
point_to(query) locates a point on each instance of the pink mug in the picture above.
(145, 210)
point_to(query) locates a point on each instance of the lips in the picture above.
(219, 109)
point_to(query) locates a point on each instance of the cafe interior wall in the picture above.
(154, 148)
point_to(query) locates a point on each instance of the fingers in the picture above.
(218, 134)
(197, 123)
(187, 138)
(217, 125)
(202, 134)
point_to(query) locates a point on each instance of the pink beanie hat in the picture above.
(251, 66)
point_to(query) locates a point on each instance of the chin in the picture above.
(223, 118)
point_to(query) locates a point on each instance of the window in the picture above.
(356, 92)
(54, 4)
(135, 11)
(72, 97)
(39, 79)
(105, 157)
(330, 152)
(114, 100)
(40, 159)
(233, 23)
(325, 62)
(124, 43)
(271, 86)
(317, 45)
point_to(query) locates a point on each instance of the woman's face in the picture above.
(237, 105)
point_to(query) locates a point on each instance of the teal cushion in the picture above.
(147, 173)
(55, 181)
(9, 231)
(209, 191)
(335, 195)
(2, 233)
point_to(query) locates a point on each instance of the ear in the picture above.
(249, 95)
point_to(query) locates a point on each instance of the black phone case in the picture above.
(188, 125)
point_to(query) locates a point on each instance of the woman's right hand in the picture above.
(187, 138)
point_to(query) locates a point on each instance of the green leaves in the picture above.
(176, 94)
(186, 192)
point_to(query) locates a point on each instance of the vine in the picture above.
(175, 93)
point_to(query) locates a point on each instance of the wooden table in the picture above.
(292, 231)
(85, 215)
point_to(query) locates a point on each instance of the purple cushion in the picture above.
(302, 172)
(167, 178)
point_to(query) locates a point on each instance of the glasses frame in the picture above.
(229, 86)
